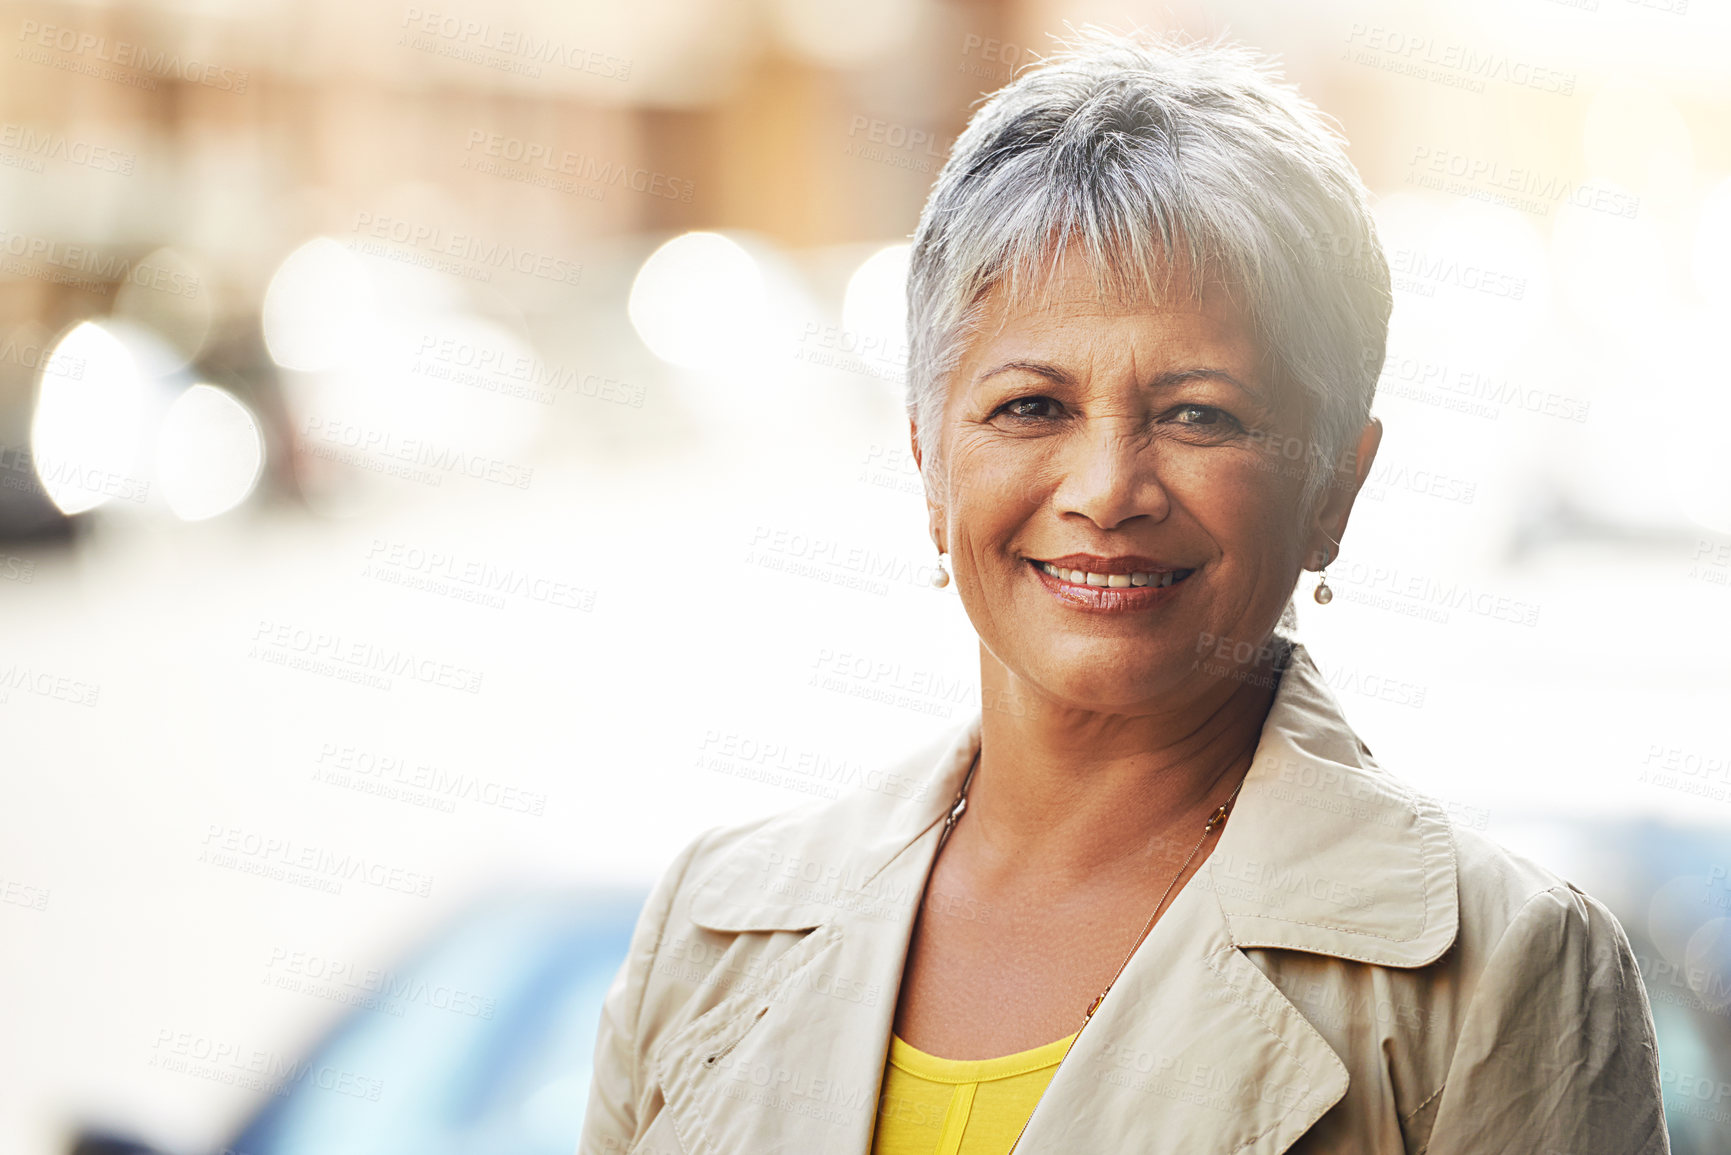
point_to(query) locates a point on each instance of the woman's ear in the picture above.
(1328, 525)
(934, 510)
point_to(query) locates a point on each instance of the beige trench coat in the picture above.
(1348, 972)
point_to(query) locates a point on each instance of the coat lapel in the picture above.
(1193, 1052)
(1325, 852)
(1195, 1049)
(793, 1063)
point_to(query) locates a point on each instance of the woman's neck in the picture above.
(1065, 791)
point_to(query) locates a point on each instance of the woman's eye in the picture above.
(1027, 408)
(1206, 417)
(1202, 415)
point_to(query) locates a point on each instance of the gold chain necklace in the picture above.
(1214, 820)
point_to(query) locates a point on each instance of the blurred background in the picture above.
(452, 453)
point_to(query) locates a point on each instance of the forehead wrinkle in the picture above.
(1072, 295)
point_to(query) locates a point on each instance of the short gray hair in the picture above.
(1151, 154)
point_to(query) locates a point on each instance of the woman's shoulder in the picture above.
(1509, 903)
(1400, 878)
(772, 871)
(1542, 997)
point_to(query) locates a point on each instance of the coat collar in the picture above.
(1325, 852)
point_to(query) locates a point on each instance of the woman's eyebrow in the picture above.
(1038, 368)
(1180, 376)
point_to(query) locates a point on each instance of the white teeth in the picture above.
(1111, 581)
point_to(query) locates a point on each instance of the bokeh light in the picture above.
(875, 307)
(86, 432)
(319, 306)
(209, 453)
(700, 301)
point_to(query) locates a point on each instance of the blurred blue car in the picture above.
(480, 1045)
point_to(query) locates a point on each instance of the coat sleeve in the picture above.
(1556, 1052)
(610, 1122)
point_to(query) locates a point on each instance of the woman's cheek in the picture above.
(993, 490)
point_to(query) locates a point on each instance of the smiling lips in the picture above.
(1112, 573)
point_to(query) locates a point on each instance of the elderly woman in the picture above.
(1157, 896)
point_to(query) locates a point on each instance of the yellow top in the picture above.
(933, 1106)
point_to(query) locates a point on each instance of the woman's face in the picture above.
(1146, 444)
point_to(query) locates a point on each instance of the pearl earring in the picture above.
(940, 576)
(1324, 595)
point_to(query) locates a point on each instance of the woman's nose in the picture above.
(1110, 475)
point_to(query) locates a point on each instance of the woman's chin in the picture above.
(1139, 693)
